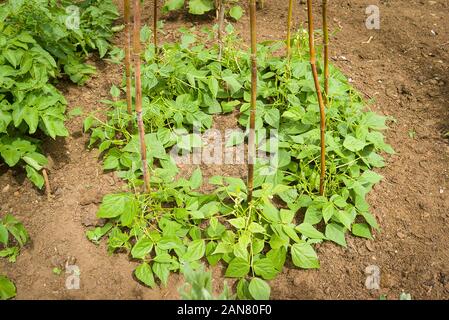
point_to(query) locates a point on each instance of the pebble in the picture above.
(6, 188)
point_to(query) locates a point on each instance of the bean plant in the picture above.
(176, 224)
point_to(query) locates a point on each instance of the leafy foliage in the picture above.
(200, 7)
(37, 47)
(7, 288)
(175, 224)
(198, 285)
(13, 236)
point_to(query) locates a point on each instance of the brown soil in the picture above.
(404, 68)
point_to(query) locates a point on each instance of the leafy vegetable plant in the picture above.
(200, 7)
(36, 47)
(198, 285)
(13, 236)
(176, 224)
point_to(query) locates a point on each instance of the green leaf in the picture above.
(235, 138)
(272, 117)
(213, 86)
(236, 12)
(361, 230)
(259, 289)
(115, 205)
(115, 92)
(239, 223)
(336, 233)
(7, 288)
(304, 256)
(162, 271)
(200, 6)
(142, 248)
(195, 250)
(265, 268)
(196, 180)
(328, 211)
(353, 144)
(237, 268)
(171, 5)
(309, 231)
(35, 176)
(233, 84)
(3, 235)
(145, 274)
(254, 227)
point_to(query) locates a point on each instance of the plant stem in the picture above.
(138, 85)
(326, 52)
(221, 14)
(127, 18)
(252, 116)
(289, 26)
(155, 20)
(318, 92)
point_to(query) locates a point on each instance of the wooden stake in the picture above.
(127, 18)
(47, 184)
(138, 85)
(221, 14)
(155, 20)
(326, 52)
(252, 116)
(318, 92)
(289, 26)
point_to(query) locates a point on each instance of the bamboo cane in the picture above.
(155, 20)
(221, 14)
(289, 26)
(138, 98)
(326, 52)
(252, 116)
(127, 18)
(318, 92)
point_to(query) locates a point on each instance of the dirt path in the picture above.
(404, 68)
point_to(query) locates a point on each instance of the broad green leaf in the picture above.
(239, 223)
(236, 12)
(265, 268)
(142, 248)
(3, 235)
(162, 271)
(200, 6)
(309, 231)
(195, 250)
(237, 268)
(353, 144)
(196, 180)
(259, 289)
(114, 205)
(144, 273)
(361, 230)
(7, 288)
(304, 256)
(336, 233)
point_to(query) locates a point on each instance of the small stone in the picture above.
(6, 188)
(369, 246)
(17, 193)
(400, 235)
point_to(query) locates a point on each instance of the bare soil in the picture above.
(403, 68)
